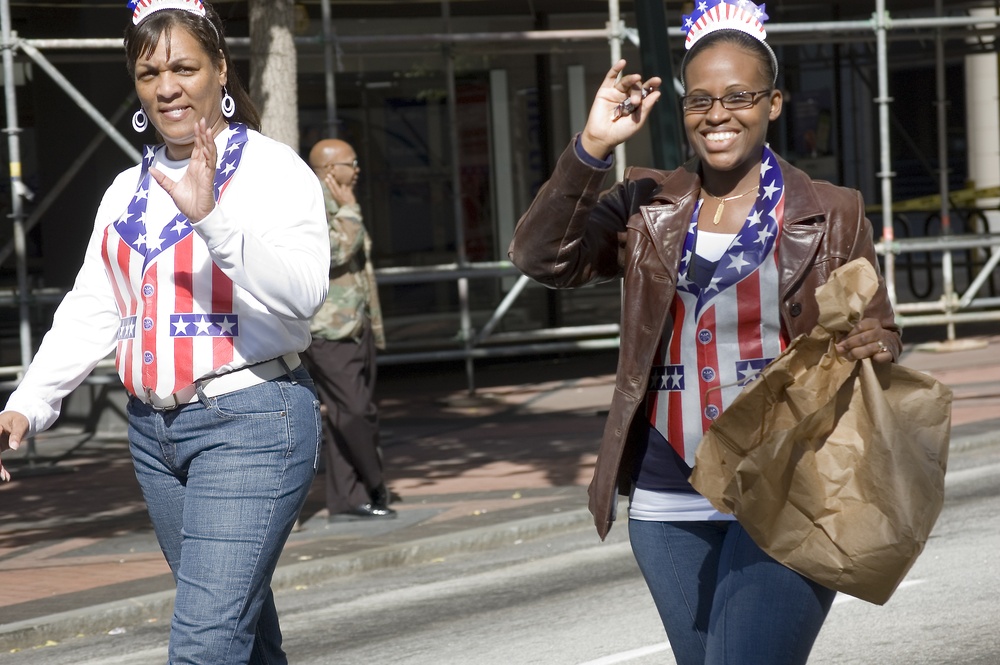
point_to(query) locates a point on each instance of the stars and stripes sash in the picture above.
(176, 305)
(725, 333)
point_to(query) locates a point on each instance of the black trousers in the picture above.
(344, 372)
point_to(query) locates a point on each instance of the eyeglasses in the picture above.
(353, 164)
(734, 101)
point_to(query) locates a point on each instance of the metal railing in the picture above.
(944, 255)
(481, 344)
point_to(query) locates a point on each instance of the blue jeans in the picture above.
(724, 601)
(224, 479)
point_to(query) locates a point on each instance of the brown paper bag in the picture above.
(834, 467)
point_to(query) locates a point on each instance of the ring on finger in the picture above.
(881, 346)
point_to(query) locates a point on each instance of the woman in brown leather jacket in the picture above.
(720, 260)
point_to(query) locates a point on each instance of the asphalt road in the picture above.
(571, 600)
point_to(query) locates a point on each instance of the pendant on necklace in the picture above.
(723, 200)
(718, 213)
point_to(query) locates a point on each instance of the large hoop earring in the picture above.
(228, 104)
(139, 121)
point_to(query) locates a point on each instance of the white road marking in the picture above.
(844, 598)
(626, 656)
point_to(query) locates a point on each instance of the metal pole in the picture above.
(947, 266)
(456, 178)
(885, 162)
(805, 30)
(81, 160)
(503, 307)
(328, 60)
(13, 132)
(616, 32)
(16, 188)
(81, 101)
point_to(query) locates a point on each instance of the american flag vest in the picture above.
(724, 334)
(176, 306)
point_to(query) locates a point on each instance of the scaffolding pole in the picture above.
(879, 23)
(457, 208)
(616, 34)
(332, 127)
(947, 267)
(17, 188)
(885, 174)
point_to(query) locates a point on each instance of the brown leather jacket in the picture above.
(568, 238)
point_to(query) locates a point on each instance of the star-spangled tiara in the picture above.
(144, 8)
(712, 15)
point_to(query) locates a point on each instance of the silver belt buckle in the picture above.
(169, 407)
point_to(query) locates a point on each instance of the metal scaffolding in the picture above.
(952, 308)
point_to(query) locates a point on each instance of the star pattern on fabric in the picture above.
(666, 377)
(132, 225)
(748, 370)
(126, 328)
(204, 325)
(751, 245)
(737, 263)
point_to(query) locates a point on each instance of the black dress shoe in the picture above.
(382, 497)
(365, 511)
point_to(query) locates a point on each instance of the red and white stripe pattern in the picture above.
(712, 15)
(176, 305)
(722, 335)
(143, 8)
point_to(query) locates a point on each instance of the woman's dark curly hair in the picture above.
(141, 40)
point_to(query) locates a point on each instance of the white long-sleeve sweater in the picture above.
(181, 301)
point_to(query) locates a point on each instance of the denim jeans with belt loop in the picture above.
(224, 479)
(723, 600)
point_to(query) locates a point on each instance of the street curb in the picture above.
(159, 606)
(974, 442)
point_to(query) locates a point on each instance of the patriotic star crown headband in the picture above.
(713, 15)
(144, 8)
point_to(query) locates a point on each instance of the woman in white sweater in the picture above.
(205, 264)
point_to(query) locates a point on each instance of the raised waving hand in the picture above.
(607, 126)
(194, 193)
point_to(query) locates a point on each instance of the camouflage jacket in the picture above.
(353, 294)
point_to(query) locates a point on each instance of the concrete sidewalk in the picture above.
(77, 553)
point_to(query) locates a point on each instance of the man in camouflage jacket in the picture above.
(341, 358)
